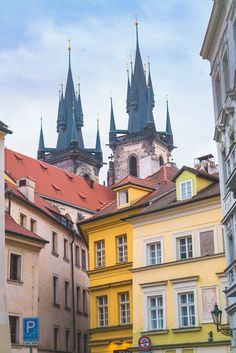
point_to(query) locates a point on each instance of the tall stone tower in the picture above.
(70, 153)
(141, 149)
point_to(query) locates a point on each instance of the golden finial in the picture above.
(110, 95)
(167, 97)
(69, 46)
(136, 20)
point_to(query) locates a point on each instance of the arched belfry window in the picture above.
(161, 161)
(133, 168)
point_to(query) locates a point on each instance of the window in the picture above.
(77, 255)
(124, 308)
(67, 336)
(33, 225)
(161, 160)
(154, 255)
(84, 266)
(66, 249)
(14, 323)
(206, 242)
(55, 337)
(23, 220)
(67, 285)
(54, 242)
(55, 290)
(133, 166)
(79, 342)
(226, 72)
(85, 343)
(186, 309)
(102, 311)
(155, 313)
(15, 267)
(218, 94)
(122, 253)
(186, 191)
(185, 249)
(85, 302)
(78, 299)
(123, 197)
(100, 253)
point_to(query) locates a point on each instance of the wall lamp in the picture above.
(217, 316)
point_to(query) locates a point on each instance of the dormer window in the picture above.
(186, 190)
(123, 197)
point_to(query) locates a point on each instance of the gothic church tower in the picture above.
(70, 153)
(141, 149)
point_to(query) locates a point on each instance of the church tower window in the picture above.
(161, 161)
(133, 166)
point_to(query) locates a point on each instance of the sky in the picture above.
(34, 60)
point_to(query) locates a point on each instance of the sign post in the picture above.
(144, 343)
(31, 331)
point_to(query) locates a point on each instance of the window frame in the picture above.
(126, 303)
(180, 189)
(78, 300)
(66, 293)
(83, 259)
(103, 306)
(18, 328)
(33, 225)
(54, 242)
(102, 255)
(147, 243)
(66, 249)
(85, 301)
(77, 255)
(55, 290)
(20, 255)
(23, 219)
(56, 338)
(176, 237)
(125, 249)
(207, 229)
(150, 292)
(126, 198)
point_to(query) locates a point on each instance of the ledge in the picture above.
(155, 332)
(66, 259)
(54, 253)
(13, 281)
(67, 308)
(110, 328)
(56, 305)
(186, 329)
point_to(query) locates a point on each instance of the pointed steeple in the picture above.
(80, 114)
(150, 119)
(98, 147)
(168, 124)
(74, 138)
(138, 94)
(41, 146)
(112, 119)
(128, 92)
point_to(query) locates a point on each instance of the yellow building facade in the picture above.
(178, 264)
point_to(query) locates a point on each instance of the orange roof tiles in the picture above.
(130, 179)
(65, 188)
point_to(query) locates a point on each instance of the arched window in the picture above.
(133, 166)
(161, 161)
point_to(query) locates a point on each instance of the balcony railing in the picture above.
(231, 275)
(231, 169)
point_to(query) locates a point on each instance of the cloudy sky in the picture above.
(34, 59)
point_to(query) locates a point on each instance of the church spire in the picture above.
(112, 119)
(128, 92)
(80, 121)
(168, 124)
(41, 146)
(98, 147)
(150, 85)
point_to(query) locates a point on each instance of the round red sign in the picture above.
(144, 343)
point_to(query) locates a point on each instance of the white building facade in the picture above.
(219, 47)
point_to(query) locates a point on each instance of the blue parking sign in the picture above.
(31, 330)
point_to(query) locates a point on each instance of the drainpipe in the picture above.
(73, 286)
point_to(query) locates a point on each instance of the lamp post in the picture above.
(217, 316)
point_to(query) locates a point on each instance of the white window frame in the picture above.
(103, 306)
(180, 189)
(11, 252)
(126, 303)
(19, 328)
(100, 254)
(66, 249)
(176, 237)
(181, 288)
(146, 244)
(125, 249)
(55, 251)
(126, 197)
(201, 303)
(149, 292)
(206, 229)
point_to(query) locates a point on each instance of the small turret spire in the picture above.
(69, 50)
(74, 140)
(168, 124)
(98, 147)
(41, 146)
(112, 119)
(128, 92)
(150, 85)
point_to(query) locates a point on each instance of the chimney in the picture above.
(26, 186)
(206, 164)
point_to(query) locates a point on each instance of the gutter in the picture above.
(73, 287)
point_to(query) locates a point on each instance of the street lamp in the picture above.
(217, 316)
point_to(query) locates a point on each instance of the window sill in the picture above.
(77, 266)
(85, 314)
(186, 329)
(67, 308)
(79, 312)
(66, 259)
(54, 253)
(56, 305)
(155, 332)
(15, 281)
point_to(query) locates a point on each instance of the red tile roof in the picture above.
(132, 180)
(12, 227)
(57, 184)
